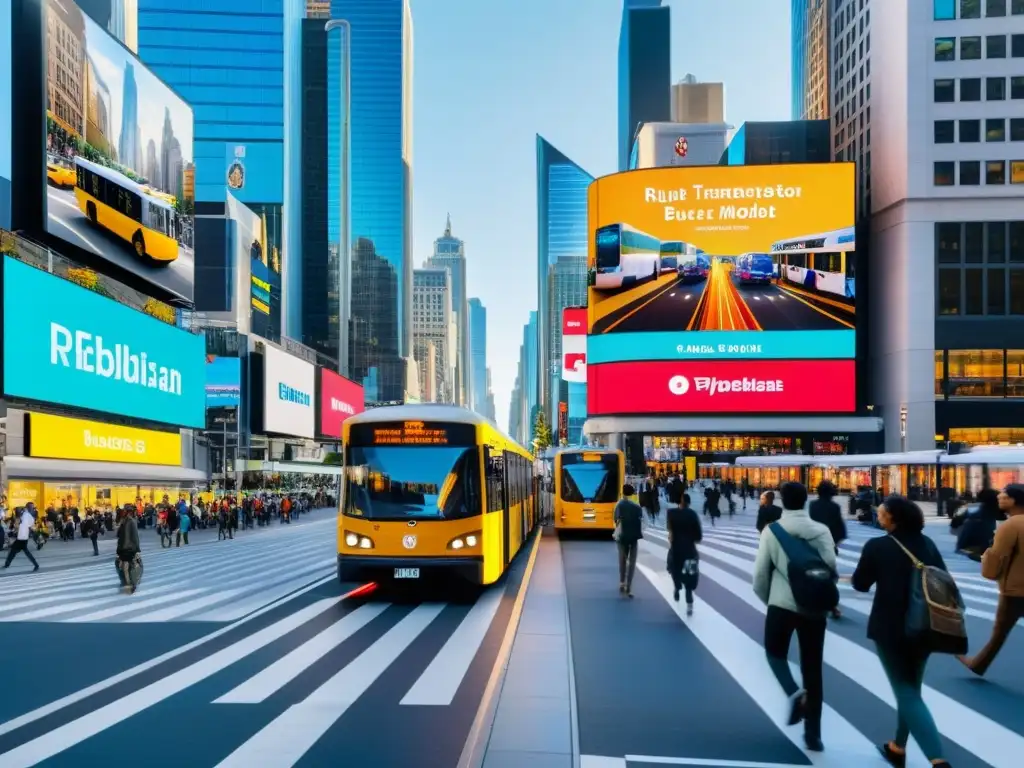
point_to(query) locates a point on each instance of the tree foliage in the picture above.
(541, 433)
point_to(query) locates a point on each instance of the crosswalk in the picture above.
(216, 581)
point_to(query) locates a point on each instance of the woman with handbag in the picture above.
(895, 565)
(684, 533)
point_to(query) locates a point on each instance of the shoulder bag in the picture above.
(935, 610)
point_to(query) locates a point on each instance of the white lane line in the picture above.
(134, 604)
(986, 739)
(241, 608)
(66, 607)
(270, 680)
(76, 731)
(283, 742)
(743, 658)
(440, 681)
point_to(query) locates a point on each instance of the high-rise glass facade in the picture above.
(380, 181)
(478, 354)
(562, 261)
(450, 253)
(645, 66)
(809, 30)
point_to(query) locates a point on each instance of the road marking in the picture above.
(270, 680)
(657, 295)
(288, 737)
(592, 761)
(133, 604)
(440, 681)
(818, 309)
(240, 609)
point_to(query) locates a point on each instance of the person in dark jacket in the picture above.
(825, 511)
(684, 533)
(628, 527)
(886, 566)
(768, 512)
(128, 546)
(978, 530)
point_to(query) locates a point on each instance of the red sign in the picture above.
(722, 386)
(682, 146)
(339, 399)
(574, 321)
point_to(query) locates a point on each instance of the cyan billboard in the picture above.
(223, 382)
(68, 345)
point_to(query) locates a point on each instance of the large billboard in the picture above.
(66, 344)
(288, 387)
(119, 164)
(574, 344)
(256, 253)
(223, 382)
(59, 437)
(723, 263)
(6, 112)
(339, 399)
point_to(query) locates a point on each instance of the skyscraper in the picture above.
(380, 181)
(522, 407)
(809, 30)
(644, 70)
(128, 150)
(694, 102)
(478, 355)
(433, 338)
(562, 261)
(450, 254)
(373, 338)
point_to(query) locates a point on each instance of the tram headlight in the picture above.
(465, 541)
(351, 540)
(355, 541)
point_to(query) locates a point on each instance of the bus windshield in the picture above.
(608, 244)
(761, 263)
(595, 482)
(412, 482)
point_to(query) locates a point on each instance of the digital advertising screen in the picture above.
(6, 112)
(723, 272)
(574, 344)
(339, 399)
(223, 382)
(59, 437)
(288, 388)
(119, 161)
(80, 349)
(257, 253)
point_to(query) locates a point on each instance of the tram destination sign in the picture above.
(413, 433)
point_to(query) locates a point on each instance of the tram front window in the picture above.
(406, 483)
(594, 482)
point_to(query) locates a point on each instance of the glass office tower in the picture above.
(478, 354)
(380, 185)
(645, 83)
(809, 30)
(562, 261)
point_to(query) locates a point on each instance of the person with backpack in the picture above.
(795, 576)
(897, 566)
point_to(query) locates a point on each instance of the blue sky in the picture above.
(489, 75)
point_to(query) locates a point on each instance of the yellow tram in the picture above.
(431, 490)
(588, 484)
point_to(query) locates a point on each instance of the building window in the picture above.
(1016, 291)
(947, 243)
(976, 373)
(943, 174)
(949, 291)
(940, 374)
(945, 10)
(1017, 171)
(996, 291)
(1017, 87)
(974, 242)
(995, 8)
(970, 173)
(995, 88)
(970, 9)
(995, 172)
(974, 291)
(1017, 7)
(995, 47)
(970, 89)
(995, 242)
(995, 129)
(1015, 374)
(1017, 129)
(970, 48)
(1017, 46)
(1016, 241)
(945, 48)
(945, 132)
(970, 131)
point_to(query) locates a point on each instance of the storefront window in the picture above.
(1015, 373)
(84, 496)
(940, 374)
(976, 373)
(987, 435)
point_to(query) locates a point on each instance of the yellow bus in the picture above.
(117, 204)
(431, 490)
(588, 484)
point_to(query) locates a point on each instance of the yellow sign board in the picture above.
(59, 437)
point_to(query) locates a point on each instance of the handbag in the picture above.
(617, 533)
(935, 610)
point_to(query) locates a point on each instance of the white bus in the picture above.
(625, 257)
(823, 262)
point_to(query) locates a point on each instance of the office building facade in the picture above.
(562, 261)
(433, 329)
(478, 356)
(380, 187)
(119, 17)
(644, 70)
(695, 102)
(662, 145)
(523, 407)
(947, 229)
(450, 253)
(779, 143)
(809, 42)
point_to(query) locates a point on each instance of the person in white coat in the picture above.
(785, 616)
(25, 525)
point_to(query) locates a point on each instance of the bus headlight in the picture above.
(469, 540)
(356, 541)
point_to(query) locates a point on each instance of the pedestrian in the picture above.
(129, 550)
(825, 511)
(795, 567)
(26, 521)
(888, 563)
(628, 532)
(184, 524)
(1003, 562)
(768, 512)
(92, 519)
(684, 533)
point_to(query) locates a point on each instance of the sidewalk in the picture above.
(61, 555)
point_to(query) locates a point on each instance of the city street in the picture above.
(67, 221)
(248, 652)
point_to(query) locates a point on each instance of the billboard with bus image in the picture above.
(119, 160)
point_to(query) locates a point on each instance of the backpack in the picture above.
(812, 580)
(935, 614)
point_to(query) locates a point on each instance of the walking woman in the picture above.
(887, 563)
(684, 533)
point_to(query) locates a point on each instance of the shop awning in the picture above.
(25, 467)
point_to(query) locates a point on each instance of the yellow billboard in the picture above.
(60, 437)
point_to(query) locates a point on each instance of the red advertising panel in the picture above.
(339, 399)
(574, 344)
(722, 386)
(574, 321)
